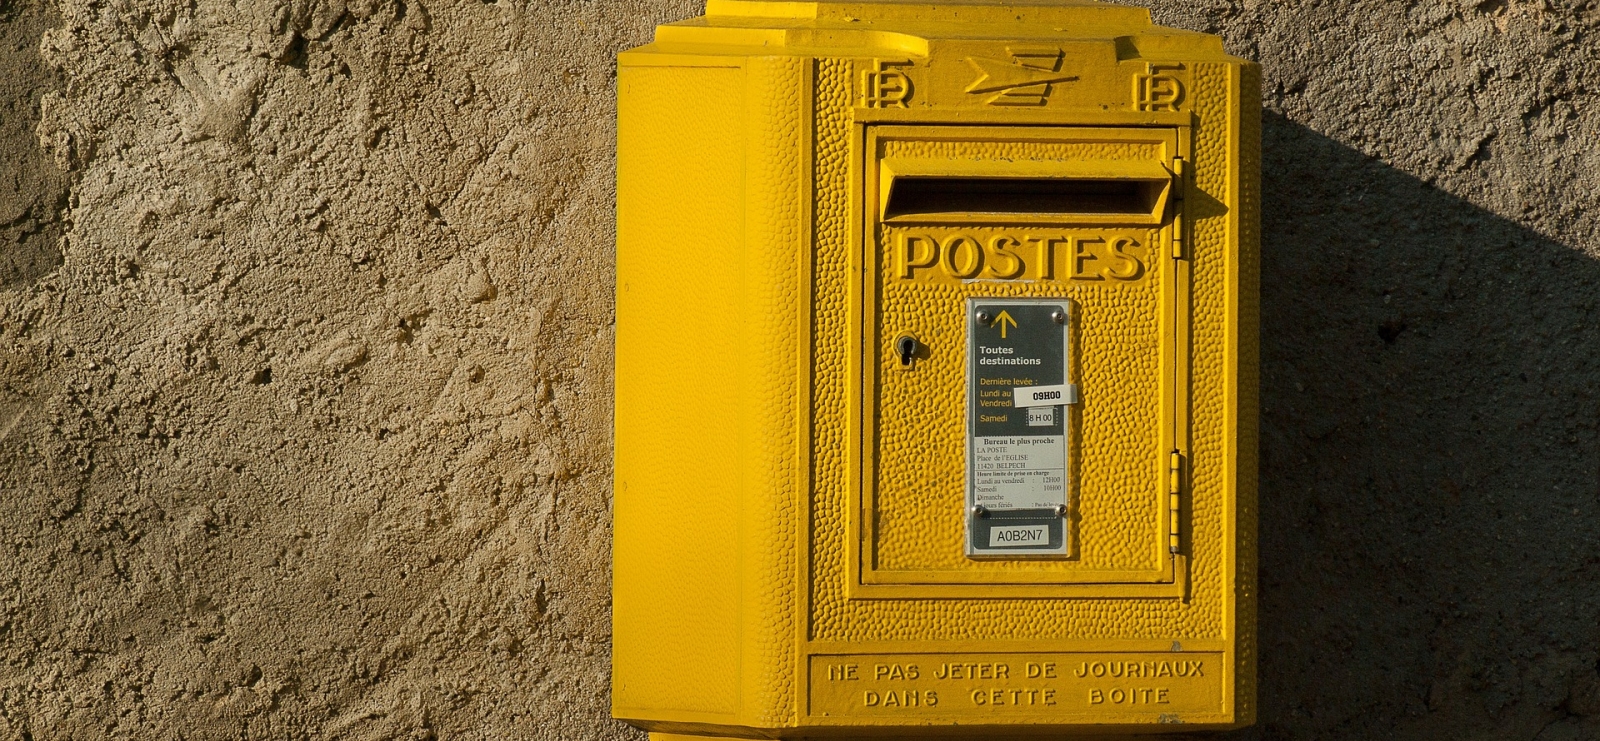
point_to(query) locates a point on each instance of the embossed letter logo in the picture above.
(1159, 88)
(883, 86)
(1026, 79)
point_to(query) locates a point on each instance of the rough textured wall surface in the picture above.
(308, 435)
(304, 366)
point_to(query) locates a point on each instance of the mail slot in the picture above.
(961, 191)
(935, 374)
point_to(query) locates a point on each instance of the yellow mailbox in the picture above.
(935, 373)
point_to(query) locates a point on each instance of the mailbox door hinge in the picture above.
(1174, 487)
(1180, 180)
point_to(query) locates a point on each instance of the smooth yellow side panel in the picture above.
(678, 581)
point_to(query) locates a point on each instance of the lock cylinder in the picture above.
(907, 347)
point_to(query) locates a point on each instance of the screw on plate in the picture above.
(1061, 510)
(984, 316)
(907, 347)
(1058, 316)
(979, 510)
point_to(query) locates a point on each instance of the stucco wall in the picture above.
(305, 345)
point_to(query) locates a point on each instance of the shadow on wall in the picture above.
(1429, 467)
(33, 192)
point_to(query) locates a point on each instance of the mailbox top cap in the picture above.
(1007, 12)
(910, 27)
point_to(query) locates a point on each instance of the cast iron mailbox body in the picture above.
(935, 372)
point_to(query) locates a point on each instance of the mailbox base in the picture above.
(947, 733)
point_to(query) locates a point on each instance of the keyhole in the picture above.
(907, 347)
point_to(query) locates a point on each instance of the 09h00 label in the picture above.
(1018, 392)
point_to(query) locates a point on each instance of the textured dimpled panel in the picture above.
(1209, 342)
(773, 243)
(831, 379)
(835, 617)
(1115, 502)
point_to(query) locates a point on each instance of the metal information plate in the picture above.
(1017, 428)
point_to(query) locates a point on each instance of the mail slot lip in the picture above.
(1148, 182)
(1152, 174)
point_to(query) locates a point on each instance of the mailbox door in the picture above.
(1077, 226)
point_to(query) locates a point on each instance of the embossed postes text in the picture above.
(1020, 255)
